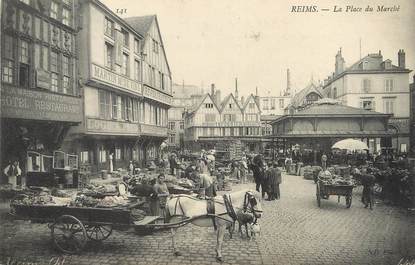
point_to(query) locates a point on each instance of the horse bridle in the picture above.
(248, 205)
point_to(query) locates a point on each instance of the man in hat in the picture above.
(274, 181)
(12, 171)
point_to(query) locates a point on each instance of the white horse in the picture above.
(183, 207)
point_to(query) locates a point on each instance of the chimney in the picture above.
(339, 64)
(217, 97)
(288, 89)
(212, 90)
(401, 58)
(236, 89)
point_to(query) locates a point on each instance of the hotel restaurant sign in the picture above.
(39, 105)
(110, 78)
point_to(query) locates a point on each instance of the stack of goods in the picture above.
(42, 196)
(316, 170)
(228, 150)
(327, 178)
(307, 172)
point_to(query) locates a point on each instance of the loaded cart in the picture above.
(325, 189)
(71, 227)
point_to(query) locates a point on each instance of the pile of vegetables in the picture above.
(328, 178)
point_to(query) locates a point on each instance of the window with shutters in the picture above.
(109, 27)
(125, 64)
(66, 17)
(366, 85)
(109, 55)
(389, 85)
(8, 60)
(389, 106)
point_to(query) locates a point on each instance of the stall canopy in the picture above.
(351, 144)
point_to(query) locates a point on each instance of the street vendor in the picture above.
(207, 186)
(159, 196)
(13, 171)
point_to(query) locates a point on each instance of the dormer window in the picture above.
(388, 64)
(230, 105)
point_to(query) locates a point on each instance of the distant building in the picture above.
(213, 119)
(305, 97)
(373, 83)
(275, 104)
(184, 98)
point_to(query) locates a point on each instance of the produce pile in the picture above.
(327, 178)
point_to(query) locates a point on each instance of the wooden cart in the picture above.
(72, 227)
(323, 191)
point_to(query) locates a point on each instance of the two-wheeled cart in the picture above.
(324, 190)
(72, 227)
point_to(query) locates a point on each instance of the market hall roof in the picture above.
(327, 108)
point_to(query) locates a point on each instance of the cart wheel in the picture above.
(69, 234)
(318, 194)
(348, 201)
(98, 232)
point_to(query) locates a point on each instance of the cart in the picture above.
(72, 227)
(323, 191)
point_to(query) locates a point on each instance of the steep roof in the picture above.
(247, 101)
(141, 24)
(197, 106)
(225, 101)
(298, 98)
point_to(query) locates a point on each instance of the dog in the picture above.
(255, 230)
(245, 219)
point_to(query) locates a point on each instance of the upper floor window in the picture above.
(109, 27)
(137, 70)
(172, 125)
(230, 105)
(265, 104)
(368, 104)
(281, 103)
(66, 17)
(24, 52)
(136, 46)
(366, 85)
(229, 117)
(388, 85)
(209, 105)
(54, 10)
(109, 55)
(334, 92)
(251, 105)
(53, 61)
(155, 46)
(125, 37)
(68, 2)
(389, 105)
(125, 63)
(273, 103)
(181, 126)
(252, 117)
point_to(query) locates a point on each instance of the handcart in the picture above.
(324, 190)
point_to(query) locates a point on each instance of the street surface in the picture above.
(293, 231)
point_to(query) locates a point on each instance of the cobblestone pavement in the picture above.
(293, 231)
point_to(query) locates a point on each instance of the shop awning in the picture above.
(322, 134)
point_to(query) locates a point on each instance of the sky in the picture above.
(215, 41)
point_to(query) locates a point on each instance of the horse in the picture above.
(185, 208)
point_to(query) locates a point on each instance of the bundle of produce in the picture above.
(112, 201)
(332, 170)
(31, 199)
(82, 200)
(325, 174)
(61, 193)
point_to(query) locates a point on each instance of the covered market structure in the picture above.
(318, 126)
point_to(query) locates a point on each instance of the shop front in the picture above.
(33, 126)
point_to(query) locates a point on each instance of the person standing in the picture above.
(159, 196)
(111, 161)
(207, 186)
(244, 169)
(258, 169)
(13, 171)
(274, 181)
(173, 164)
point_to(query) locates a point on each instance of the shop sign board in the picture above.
(153, 130)
(42, 78)
(110, 78)
(112, 127)
(29, 104)
(157, 95)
